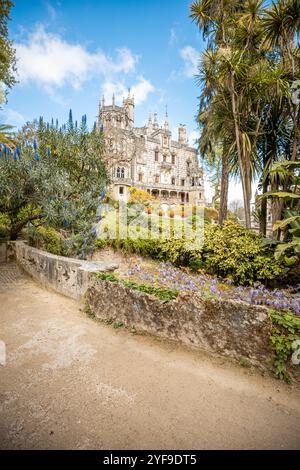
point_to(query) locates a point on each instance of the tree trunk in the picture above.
(18, 226)
(263, 211)
(224, 188)
(246, 192)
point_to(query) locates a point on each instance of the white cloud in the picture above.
(52, 62)
(51, 10)
(191, 60)
(13, 117)
(118, 89)
(139, 90)
(173, 37)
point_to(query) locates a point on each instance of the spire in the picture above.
(166, 123)
(150, 119)
(113, 100)
(155, 123)
(103, 101)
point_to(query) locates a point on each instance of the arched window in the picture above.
(118, 172)
(173, 158)
(122, 173)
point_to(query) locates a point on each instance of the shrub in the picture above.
(211, 213)
(47, 238)
(230, 251)
(236, 252)
(4, 225)
(139, 196)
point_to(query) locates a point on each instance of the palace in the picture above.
(147, 157)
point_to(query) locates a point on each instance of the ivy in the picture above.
(283, 336)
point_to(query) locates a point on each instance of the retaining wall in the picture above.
(68, 276)
(227, 327)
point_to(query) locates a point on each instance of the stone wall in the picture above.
(3, 251)
(68, 276)
(226, 327)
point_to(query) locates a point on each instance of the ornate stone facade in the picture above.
(147, 157)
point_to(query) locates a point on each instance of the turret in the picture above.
(150, 124)
(155, 123)
(166, 123)
(182, 137)
(129, 106)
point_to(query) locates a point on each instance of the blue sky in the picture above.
(70, 52)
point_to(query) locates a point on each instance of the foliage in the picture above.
(248, 116)
(162, 293)
(4, 225)
(229, 251)
(7, 52)
(284, 334)
(139, 196)
(6, 136)
(235, 252)
(46, 237)
(54, 178)
(211, 213)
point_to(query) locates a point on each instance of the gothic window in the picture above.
(156, 178)
(165, 140)
(121, 190)
(173, 159)
(156, 155)
(173, 180)
(182, 182)
(140, 176)
(200, 195)
(193, 182)
(122, 173)
(165, 158)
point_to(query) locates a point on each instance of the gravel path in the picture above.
(70, 382)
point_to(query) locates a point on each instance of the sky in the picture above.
(71, 52)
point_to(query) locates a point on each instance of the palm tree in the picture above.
(6, 136)
(230, 59)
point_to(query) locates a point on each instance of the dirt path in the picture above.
(72, 383)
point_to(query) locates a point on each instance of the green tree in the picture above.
(7, 52)
(53, 178)
(246, 76)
